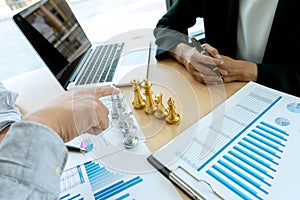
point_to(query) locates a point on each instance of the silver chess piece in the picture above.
(118, 106)
(129, 130)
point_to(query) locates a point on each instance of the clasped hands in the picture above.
(231, 69)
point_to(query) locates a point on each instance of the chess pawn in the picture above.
(138, 101)
(160, 112)
(149, 103)
(172, 117)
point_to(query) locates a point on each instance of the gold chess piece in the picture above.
(138, 101)
(172, 117)
(160, 112)
(149, 103)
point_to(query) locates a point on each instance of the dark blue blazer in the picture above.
(280, 68)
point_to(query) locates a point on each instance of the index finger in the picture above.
(105, 91)
(211, 50)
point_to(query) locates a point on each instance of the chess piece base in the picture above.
(130, 142)
(173, 120)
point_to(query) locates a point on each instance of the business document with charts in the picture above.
(247, 148)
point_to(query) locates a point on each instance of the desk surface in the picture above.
(192, 99)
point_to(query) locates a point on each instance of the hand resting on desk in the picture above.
(231, 70)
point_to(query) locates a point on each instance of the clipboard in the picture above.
(245, 149)
(179, 182)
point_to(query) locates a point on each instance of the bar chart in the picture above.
(249, 167)
(99, 177)
(74, 197)
(93, 181)
(71, 179)
(246, 148)
(213, 139)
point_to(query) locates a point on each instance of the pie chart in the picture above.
(294, 107)
(87, 144)
(281, 121)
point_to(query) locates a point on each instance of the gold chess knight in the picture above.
(149, 103)
(160, 112)
(172, 117)
(138, 101)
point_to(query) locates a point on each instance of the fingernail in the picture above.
(222, 62)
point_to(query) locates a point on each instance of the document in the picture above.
(106, 144)
(110, 171)
(247, 148)
(93, 180)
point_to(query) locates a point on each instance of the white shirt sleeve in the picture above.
(32, 158)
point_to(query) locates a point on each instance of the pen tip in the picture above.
(83, 150)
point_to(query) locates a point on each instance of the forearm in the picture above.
(181, 53)
(3, 133)
(32, 156)
(172, 28)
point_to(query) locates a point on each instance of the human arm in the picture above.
(171, 29)
(3, 132)
(197, 64)
(284, 77)
(9, 112)
(74, 112)
(31, 160)
(32, 153)
(231, 69)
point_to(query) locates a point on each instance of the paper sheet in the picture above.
(247, 148)
(110, 171)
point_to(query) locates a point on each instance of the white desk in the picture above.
(34, 88)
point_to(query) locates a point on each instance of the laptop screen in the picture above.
(54, 32)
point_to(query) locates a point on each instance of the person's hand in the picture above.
(76, 111)
(238, 70)
(196, 63)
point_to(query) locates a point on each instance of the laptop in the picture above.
(54, 32)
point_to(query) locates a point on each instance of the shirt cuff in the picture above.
(33, 154)
(9, 113)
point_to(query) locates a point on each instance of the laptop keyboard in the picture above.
(102, 65)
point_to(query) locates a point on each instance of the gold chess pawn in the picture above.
(138, 101)
(172, 117)
(149, 103)
(160, 112)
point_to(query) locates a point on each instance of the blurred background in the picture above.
(101, 19)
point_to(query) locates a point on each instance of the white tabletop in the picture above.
(34, 88)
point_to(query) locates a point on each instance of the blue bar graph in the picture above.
(98, 176)
(69, 197)
(110, 184)
(249, 167)
(117, 188)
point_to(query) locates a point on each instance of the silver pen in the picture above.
(198, 46)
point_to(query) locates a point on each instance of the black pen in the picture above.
(76, 149)
(198, 46)
(174, 178)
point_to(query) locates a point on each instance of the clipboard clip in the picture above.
(187, 188)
